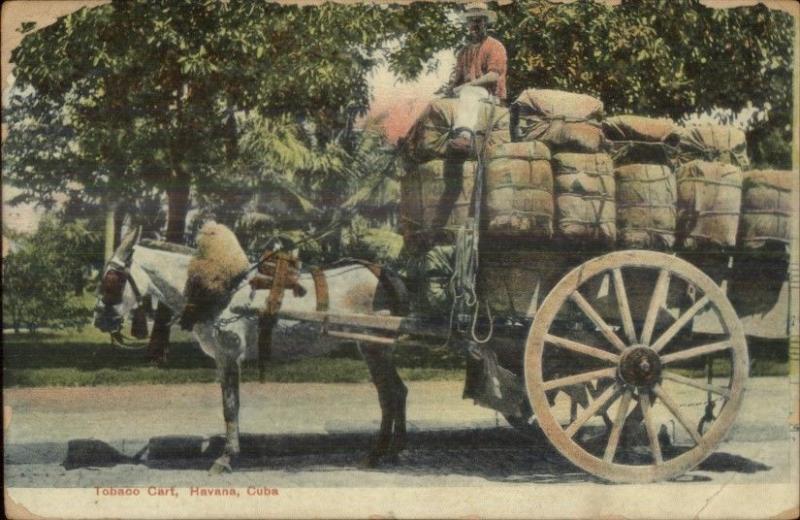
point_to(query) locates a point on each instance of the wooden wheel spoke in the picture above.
(581, 348)
(616, 429)
(679, 324)
(610, 393)
(605, 373)
(656, 302)
(694, 352)
(675, 411)
(598, 321)
(697, 384)
(652, 435)
(624, 306)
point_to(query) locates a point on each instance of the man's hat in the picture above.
(478, 10)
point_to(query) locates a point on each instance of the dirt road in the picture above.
(301, 436)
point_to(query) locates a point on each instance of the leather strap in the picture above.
(275, 298)
(321, 288)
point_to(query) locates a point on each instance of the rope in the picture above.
(463, 283)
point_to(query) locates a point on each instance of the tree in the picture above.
(660, 58)
(147, 89)
(41, 275)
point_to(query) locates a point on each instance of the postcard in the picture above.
(367, 259)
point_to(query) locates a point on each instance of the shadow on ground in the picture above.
(498, 454)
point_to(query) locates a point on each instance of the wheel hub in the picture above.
(640, 366)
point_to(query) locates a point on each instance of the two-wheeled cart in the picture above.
(633, 363)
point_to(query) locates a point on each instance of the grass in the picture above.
(86, 358)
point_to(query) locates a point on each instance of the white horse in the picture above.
(136, 271)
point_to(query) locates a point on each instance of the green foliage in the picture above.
(144, 91)
(85, 358)
(659, 58)
(42, 274)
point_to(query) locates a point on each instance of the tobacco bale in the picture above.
(435, 201)
(563, 136)
(710, 142)
(638, 128)
(766, 208)
(646, 197)
(528, 150)
(428, 137)
(519, 192)
(558, 104)
(709, 203)
(585, 199)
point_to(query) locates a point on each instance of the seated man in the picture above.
(482, 61)
(479, 74)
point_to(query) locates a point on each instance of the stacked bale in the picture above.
(585, 198)
(646, 192)
(766, 210)
(709, 185)
(519, 192)
(569, 125)
(436, 192)
(709, 202)
(713, 143)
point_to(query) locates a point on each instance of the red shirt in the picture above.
(476, 59)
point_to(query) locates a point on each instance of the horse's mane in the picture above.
(161, 245)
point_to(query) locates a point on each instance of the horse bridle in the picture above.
(123, 271)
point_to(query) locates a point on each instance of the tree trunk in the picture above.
(109, 231)
(177, 208)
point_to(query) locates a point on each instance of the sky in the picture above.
(397, 103)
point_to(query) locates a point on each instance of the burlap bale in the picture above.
(527, 150)
(435, 201)
(558, 104)
(562, 136)
(766, 208)
(709, 203)
(212, 274)
(638, 128)
(585, 199)
(519, 199)
(646, 198)
(428, 137)
(710, 142)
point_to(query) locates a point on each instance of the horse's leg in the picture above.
(392, 397)
(229, 370)
(159, 337)
(400, 393)
(265, 326)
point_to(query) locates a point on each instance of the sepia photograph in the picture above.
(411, 259)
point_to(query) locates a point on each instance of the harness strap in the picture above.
(321, 288)
(279, 282)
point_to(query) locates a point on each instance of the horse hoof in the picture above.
(221, 465)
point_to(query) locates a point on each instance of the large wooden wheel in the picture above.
(617, 330)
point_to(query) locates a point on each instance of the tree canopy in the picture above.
(138, 94)
(660, 58)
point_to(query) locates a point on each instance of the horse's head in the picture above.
(117, 293)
